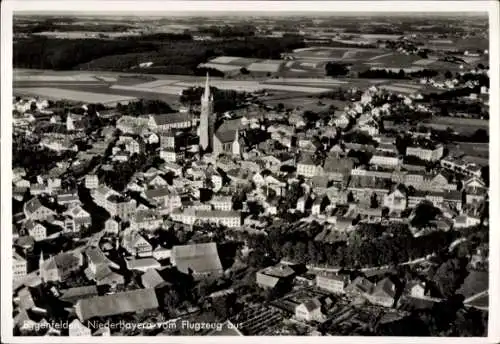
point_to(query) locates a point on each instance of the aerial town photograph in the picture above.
(258, 174)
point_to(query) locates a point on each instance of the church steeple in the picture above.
(206, 94)
(206, 120)
(40, 265)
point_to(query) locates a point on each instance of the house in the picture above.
(200, 260)
(171, 155)
(136, 245)
(97, 260)
(152, 279)
(77, 329)
(156, 181)
(123, 207)
(465, 220)
(224, 203)
(104, 276)
(19, 266)
(416, 289)
(319, 205)
(307, 167)
(34, 210)
(275, 277)
(396, 200)
(164, 198)
(337, 168)
(383, 293)
(111, 226)
(359, 286)
(58, 268)
(68, 199)
(36, 230)
(168, 140)
(77, 219)
(331, 282)
(171, 167)
(120, 303)
(146, 219)
(91, 181)
(165, 122)
(142, 264)
(309, 310)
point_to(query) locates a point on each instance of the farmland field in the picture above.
(73, 95)
(399, 89)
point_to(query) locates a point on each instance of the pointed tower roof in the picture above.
(206, 95)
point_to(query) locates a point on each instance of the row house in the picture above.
(453, 199)
(190, 216)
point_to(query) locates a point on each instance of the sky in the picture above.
(156, 14)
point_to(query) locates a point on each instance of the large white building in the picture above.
(426, 153)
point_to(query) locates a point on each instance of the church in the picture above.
(227, 138)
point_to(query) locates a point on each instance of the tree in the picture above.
(374, 201)
(424, 213)
(448, 74)
(350, 197)
(449, 276)
(336, 69)
(244, 71)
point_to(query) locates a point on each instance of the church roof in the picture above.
(226, 136)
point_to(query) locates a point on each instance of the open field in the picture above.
(343, 54)
(469, 122)
(168, 87)
(72, 95)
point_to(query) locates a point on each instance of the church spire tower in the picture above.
(40, 266)
(206, 118)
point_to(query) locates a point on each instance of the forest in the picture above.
(169, 55)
